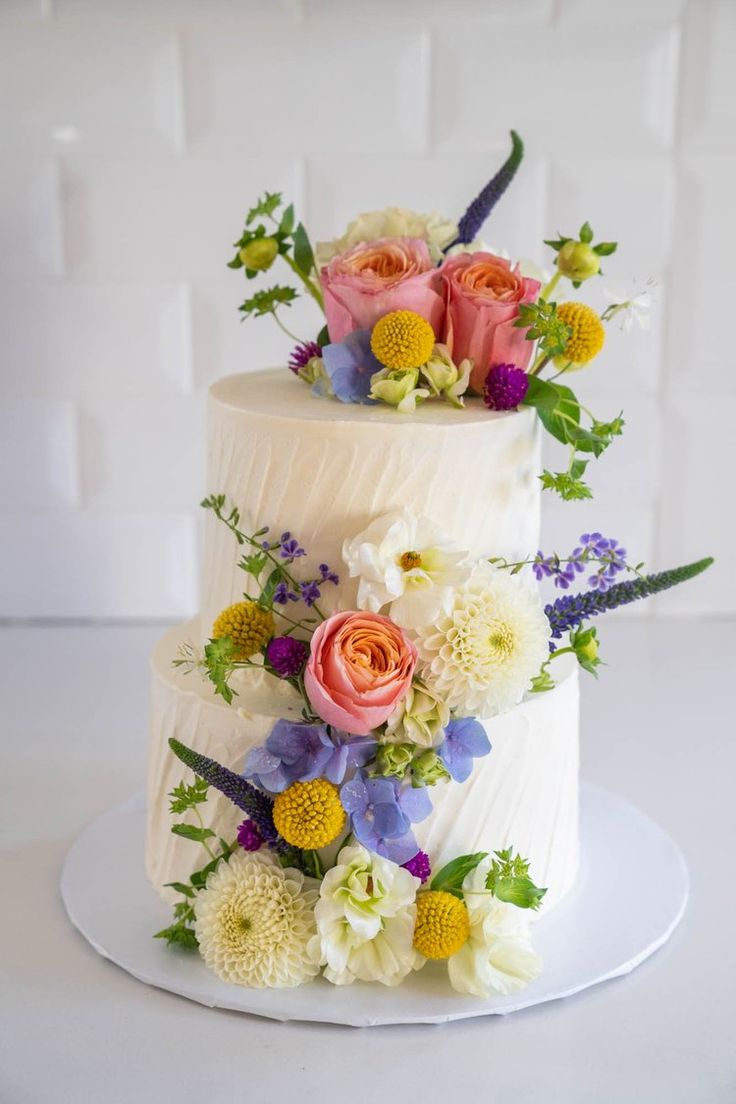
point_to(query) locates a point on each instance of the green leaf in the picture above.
(268, 300)
(303, 255)
(451, 877)
(567, 487)
(586, 233)
(235, 262)
(192, 832)
(287, 221)
(219, 657)
(179, 935)
(265, 206)
(323, 337)
(181, 887)
(253, 565)
(273, 580)
(185, 797)
(605, 249)
(508, 879)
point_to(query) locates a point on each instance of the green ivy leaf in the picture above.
(451, 877)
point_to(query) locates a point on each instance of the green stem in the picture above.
(309, 284)
(550, 287)
(541, 361)
(286, 330)
(202, 825)
(559, 652)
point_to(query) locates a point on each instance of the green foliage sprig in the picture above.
(279, 235)
(185, 798)
(544, 326)
(561, 414)
(508, 878)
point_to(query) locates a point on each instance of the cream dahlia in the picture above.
(481, 654)
(254, 923)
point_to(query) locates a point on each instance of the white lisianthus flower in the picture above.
(392, 222)
(498, 956)
(255, 923)
(445, 377)
(482, 652)
(365, 919)
(407, 561)
(420, 718)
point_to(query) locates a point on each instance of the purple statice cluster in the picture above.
(606, 552)
(382, 812)
(302, 354)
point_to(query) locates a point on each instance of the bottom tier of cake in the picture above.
(524, 794)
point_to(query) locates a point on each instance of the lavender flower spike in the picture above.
(257, 805)
(470, 224)
(568, 612)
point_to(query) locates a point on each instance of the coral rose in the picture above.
(360, 667)
(483, 293)
(374, 278)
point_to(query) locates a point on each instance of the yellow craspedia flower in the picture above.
(442, 926)
(587, 337)
(402, 339)
(309, 815)
(248, 625)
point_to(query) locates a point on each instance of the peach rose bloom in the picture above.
(375, 278)
(483, 293)
(360, 667)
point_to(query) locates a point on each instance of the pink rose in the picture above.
(360, 667)
(483, 293)
(375, 278)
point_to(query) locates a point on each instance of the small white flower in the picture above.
(630, 308)
(483, 651)
(255, 923)
(365, 919)
(407, 561)
(498, 956)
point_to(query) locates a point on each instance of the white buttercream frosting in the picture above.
(324, 470)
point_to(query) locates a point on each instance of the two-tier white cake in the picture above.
(290, 460)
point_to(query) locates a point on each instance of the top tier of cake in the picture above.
(323, 470)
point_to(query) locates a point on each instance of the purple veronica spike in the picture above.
(569, 612)
(472, 221)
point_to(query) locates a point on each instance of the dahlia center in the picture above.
(501, 639)
(410, 560)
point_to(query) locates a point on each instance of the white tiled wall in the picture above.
(137, 132)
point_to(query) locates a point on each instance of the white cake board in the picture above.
(629, 897)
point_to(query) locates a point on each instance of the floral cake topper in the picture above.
(417, 309)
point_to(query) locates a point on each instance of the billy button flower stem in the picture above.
(541, 362)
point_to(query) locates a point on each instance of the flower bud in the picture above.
(391, 761)
(428, 769)
(259, 254)
(588, 649)
(578, 261)
(421, 717)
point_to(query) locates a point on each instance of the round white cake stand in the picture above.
(629, 897)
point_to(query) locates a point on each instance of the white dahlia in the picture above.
(482, 653)
(392, 222)
(498, 956)
(407, 561)
(254, 923)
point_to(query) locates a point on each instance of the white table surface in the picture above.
(658, 727)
